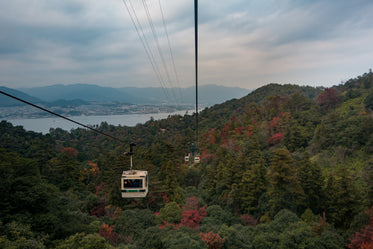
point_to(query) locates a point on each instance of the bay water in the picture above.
(44, 124)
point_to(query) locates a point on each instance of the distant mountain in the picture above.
(208, 95)
(83, 92)
(6, 101)
(68, 103)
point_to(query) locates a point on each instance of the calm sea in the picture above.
(44, 124)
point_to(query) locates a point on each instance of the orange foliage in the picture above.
(322, 226)
(69, 151)
(364, 238)
(212, 240)
(250, 132)
(94, 170)
(107, 232)
(191, 218)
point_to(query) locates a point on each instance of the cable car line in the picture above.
(58, 115)
(145, 45)
(169, 46)
(196, 63)
(195, 146)
(155, 36)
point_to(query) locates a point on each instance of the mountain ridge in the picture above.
(6, 101)
(209, 94)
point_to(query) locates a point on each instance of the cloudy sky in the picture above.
(245, 43)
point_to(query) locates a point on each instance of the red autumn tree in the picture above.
(107, 232)
(364, 238)
(328, 99)
(191, 203)
(248, 220)
(277, 137)
(99, 209)
(191, 218)
(367, 245)
(70, 152)
(212, 240)
(202, 211)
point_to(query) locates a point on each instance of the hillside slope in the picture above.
(283, 167)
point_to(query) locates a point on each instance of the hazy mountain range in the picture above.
(78, 94)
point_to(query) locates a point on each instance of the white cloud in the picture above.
(242, 43)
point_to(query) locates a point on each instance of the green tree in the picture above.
(368, 102)
(252, 187)
(23, 193)
(182, 238)
(284, 190)
(65, 170)
(369, 180)
(342, 198)
(288, 231)
(216, 217)
(84, 241)
(296, 136)
(19, 235)
(171, 213)
(132, 223)
(171, 185)
(236, 236)
(311, 181)
(151, 238)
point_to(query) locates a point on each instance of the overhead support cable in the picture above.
(58, 115)
(169, 46)
(196, 63)
(147, 47)
(140, 32)
(155, 36)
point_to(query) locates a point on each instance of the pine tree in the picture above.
(369, 180)
(284, 190)
(311, 181)
(64, 171)
(342, 200)
(253, 181)
(171, 185)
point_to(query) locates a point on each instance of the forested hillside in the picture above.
(284, 167)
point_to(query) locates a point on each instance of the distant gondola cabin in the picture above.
(134, 184)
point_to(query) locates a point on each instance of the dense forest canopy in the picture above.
(283, 167)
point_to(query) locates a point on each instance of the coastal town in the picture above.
(92, 109)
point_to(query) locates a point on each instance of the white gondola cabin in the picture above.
(134, 184)
(196, 159)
